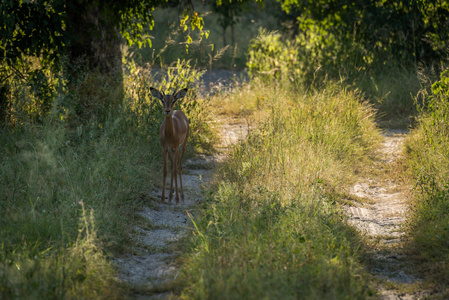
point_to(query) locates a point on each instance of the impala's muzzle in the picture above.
(167, 112)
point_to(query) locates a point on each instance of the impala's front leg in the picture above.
(164, 171)
(170, 196)
(180, 180)
(175, 172)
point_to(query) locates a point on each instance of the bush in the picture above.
(308, 59)
(148, 111)
(272, 59)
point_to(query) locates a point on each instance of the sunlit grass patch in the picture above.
(272, 228)
(261, 248)
(427, 156)
(305, 138)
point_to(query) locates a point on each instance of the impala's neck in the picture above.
(168, 130)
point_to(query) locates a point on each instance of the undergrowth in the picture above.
(390, 88)
(427, 151)
(272, 228)
(169, 40)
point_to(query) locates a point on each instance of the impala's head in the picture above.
(168, 101)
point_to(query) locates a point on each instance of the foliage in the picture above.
(27, 94)
(384, 31)
(60, 35)
(39, 27)
(333, 38)
(306, 60)
(272, 228)
(169, 40)
(391, 89)
(270, 57)
(179, 76)
(22, 35)
(428, 159)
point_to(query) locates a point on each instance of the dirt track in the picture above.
(381, 215)
(152, 265)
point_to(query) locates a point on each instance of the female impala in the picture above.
(173, 133)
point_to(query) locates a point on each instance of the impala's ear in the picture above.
(156, 93)
(181, 94)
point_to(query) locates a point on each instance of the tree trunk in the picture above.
(232, 35)
(95, 46)
(4, 103)
(224, 37)
(95, 39)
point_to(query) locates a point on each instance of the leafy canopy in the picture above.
(39, 28)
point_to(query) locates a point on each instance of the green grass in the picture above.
(428, 161)
(272, 227)
(70, 187)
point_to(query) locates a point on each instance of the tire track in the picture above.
(381, 217)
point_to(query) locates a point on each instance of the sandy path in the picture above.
(381, 215)
(151, 266)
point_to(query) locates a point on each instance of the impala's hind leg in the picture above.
(175, 172)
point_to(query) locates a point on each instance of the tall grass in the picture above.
(70, 187)
(272, 228)
(46, 172)
(427, 152)
(37, 271)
